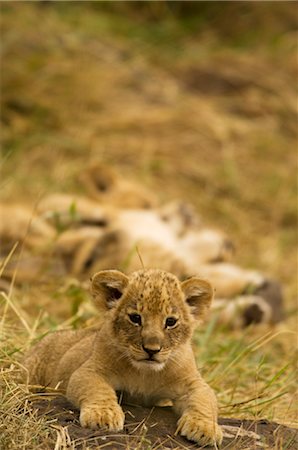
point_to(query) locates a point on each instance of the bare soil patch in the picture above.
(154, 428)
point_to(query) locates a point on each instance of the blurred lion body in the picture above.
(120, 226)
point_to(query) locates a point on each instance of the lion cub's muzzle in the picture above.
(151, 351)
(152, 347)
(150, 356)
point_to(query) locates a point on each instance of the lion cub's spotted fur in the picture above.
(142, 348)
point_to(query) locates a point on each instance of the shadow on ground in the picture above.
(154, 428)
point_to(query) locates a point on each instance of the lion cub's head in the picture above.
(151, 313)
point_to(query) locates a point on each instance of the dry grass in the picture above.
(20, 427)
(189, 112)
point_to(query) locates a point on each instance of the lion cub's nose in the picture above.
(151, 350)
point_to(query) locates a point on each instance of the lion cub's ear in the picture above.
(198, 295)
(98, 179)
(107, 287)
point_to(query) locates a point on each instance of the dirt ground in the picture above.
(155, 428)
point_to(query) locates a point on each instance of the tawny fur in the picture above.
(122, 227)
(138, 238)
(104, 185)
(142, 348)
(21, 224)
(74, 210)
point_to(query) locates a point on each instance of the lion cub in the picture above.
(142, 348)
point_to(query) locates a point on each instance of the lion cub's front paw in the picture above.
(110, 417)
(197, 429)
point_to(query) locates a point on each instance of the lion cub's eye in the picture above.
(135, 319)
(171, 322)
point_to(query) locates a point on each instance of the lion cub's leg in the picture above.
(198, 409)
(96, 400)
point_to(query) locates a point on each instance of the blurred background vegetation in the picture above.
(195, 99)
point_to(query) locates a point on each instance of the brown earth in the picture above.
(155, 428)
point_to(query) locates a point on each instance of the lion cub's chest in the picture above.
(143, 388)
